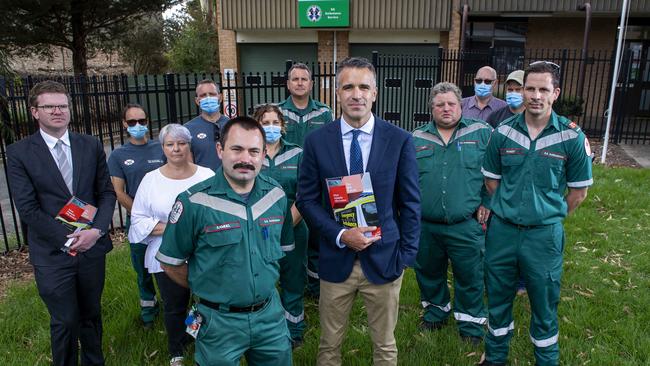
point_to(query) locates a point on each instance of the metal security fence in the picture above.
(404, 82)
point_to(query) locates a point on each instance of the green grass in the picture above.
(604, 312)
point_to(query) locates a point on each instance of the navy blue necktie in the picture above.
(356, 157)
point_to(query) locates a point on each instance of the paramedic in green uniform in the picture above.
(449, 152)
(302, 115)
(281, 163)
(538, 168)
(224, 241)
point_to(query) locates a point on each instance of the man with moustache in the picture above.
(206, 127)
(483, 103)
(223, 241)
(353, 260)
(449, 153)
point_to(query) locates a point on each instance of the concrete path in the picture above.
(638, 152)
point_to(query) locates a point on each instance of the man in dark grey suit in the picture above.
(45, 170)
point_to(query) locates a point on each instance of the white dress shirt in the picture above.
(365, 140)
(51, 141)
(365, 143)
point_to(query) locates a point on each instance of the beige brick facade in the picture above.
(326, 46)
(228, 56)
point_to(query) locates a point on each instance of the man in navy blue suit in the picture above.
(351, 262)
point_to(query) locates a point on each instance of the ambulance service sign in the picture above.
(323, 13)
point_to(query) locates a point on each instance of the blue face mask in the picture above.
(138, 131)
(209, 105)
(514, 100)
(273, 133)
(482, 90)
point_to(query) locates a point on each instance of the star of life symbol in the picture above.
(314, 13)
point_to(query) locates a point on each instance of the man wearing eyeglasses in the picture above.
(537, 168)
(127, 165)
(206, 127)
(45, 171)
(483, 103)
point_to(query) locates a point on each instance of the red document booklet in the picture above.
(76, 215)
(353, 201)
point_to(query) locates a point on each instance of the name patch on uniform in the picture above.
(512, 151)
(271, 220)
(468, 142)
(201, 136)
(289, 167)
(151, 161)
(222, 227)
(551, 154)
(129, 162)
(423, 148)
(177, 211)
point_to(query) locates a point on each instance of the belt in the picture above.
(234, 309)
(453, 222)
(522, 227)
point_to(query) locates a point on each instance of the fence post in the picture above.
(439, 66)
(170, 94)
(287, 66)
(85, 104)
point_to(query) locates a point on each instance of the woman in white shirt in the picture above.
(151, 207)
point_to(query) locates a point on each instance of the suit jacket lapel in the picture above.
(77, 156)
(43, 155)
(336, 150)
(378, 147)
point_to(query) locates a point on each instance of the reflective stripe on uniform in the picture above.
(428, 136)
(288, 248)
(290, 115)
(469, 129)
(314, 114)
(219, 204)
(294, 319)
(555, 138)
(545, 342)
(169, 260)
(468, 318)
(266, 162)
(287, 155)
(266, 202)
(312, 274)
(490, 174)
(445, 308)
(147, 303)
(581, 184)
(515, 136)
(500, 332)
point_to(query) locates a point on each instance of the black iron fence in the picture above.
(404, 82)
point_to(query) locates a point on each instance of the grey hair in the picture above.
(444, 87)
(174, 130)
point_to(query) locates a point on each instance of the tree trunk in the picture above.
(79, 50)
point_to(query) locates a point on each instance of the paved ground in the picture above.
(640, 153)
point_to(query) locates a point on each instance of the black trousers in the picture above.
(175, 300)
(72, 295)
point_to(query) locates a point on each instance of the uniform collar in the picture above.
(220, 186)
(311, 105)
(51, 141)
(431, 126)
(553, 122)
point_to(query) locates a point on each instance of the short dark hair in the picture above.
(132, 105)
(47, 86)
(247, 123)
(544, 67)
(208, 81)
(299, 66)
(357, 63)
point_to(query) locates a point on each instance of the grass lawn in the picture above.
(604, 312)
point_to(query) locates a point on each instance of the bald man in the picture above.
(483, 103)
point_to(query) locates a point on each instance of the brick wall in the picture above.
(453, 36)
(227, 44)
(326, 46)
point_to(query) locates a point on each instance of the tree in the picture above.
(82, 26)
(192, 41)
(144, 46)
